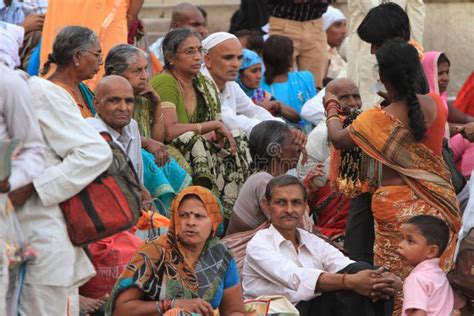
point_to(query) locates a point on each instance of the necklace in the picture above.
(189, 103)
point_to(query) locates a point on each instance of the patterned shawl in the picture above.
(384, 138)
(211, 107)
(161, 260)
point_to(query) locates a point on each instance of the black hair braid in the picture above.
(47, 64)
(269, 75)
(416, 118)
(400, 67)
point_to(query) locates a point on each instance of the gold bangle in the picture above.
(199, 128)
(332, 118)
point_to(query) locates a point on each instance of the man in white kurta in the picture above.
(222, 65)
(76, 155)
(17, 121)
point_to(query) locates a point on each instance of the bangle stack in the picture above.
(332, 103)
(332, 118)
(165, 305)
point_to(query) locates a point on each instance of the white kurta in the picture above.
(76, 155)
(237, 110)
(17, 120)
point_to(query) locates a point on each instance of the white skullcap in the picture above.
(11, 39)
(216, 38)
(332, 16)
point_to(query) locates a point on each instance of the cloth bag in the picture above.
(110, 257)
(110, 204)
(270, 305)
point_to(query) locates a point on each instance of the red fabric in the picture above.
(332, 218)
(435, 132)
(110, 256)
(106, 217)
(465, 98)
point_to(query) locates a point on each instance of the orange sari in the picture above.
(107, 18)
(428, 188)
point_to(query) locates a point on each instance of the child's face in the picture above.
(414, 248)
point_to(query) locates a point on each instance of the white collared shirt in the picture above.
(129, 141)
(237, 110)
(273, 266)
(313, 109)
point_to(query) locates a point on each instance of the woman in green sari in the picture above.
(219, 158)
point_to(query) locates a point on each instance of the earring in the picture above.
(77, 64)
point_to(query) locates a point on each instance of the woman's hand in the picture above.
(195, 305)
(316, 171)
(328, 96)
(158, 149)
(467, 131)
(150, 94)
(274, 107)
(300, 139)
(221, 133)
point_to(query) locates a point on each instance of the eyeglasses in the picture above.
(97, 54)
(191, 52)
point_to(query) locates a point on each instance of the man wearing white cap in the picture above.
(335, 26)
(222, 63)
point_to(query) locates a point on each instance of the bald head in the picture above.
(189, 16)
(114, 101)
(346, 91)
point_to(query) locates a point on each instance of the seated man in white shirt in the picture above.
(222, 63)
(309, 272)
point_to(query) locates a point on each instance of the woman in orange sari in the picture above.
(406, 137)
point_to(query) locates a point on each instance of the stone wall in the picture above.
(449, 27)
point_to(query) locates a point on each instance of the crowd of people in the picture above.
(261, 167)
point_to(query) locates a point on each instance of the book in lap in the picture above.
(7, 148)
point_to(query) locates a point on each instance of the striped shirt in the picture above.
(309, 10)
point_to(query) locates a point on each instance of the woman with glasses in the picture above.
(77, 55)
(219, 158)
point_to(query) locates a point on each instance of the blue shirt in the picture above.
(295, 92)
(230, 279)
